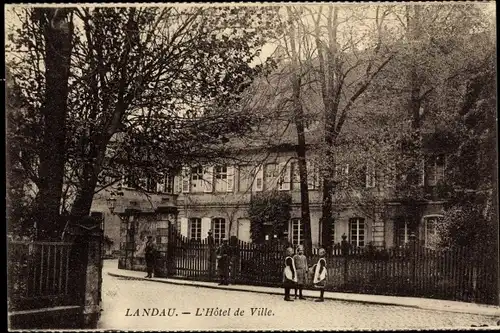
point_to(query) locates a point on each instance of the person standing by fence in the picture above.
(150, 254)
(300, 261)
(319, 270)
(223, 257)
(289, 274)
(212, 257)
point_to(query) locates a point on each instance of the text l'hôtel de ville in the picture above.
(199, 312)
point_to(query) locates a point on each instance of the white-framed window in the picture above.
(357, 231)
(313, 176)
(342, 174)
(194, 228)
(197, 179)
(220, 178)
(245, 178)
(435, 168)
(219, 229)
(271, 175)
(296, 232)
(165, 184)
(430, 223)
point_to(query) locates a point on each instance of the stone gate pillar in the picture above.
(88, 237)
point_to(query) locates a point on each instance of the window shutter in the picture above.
(208, 179)
(345, 171)
(160, 185)
(311, 175)
(206, 223)
(177, 183)
(184, 226)
(259, 179)
(422, 173)
(230, 179)
(370, 175)
(317, 178)
(284, 176)
(185, 180)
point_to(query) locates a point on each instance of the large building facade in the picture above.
(217, 197)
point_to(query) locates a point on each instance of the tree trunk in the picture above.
(52, 157)
(83, 202)
(298, 115)
(327, 71)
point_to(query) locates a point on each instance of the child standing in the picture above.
(300, 261)
(320, 274)
(289, 274)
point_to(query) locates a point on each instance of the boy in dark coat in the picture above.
(149, 253)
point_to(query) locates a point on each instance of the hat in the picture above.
(300, 248)
(289, 251)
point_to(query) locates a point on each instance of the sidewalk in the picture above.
(415, 302)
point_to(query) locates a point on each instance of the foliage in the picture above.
(470, 218)
(272, 207)
(19, 192)
(150, 88)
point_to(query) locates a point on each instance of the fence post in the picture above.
(414, 247)
(86, 256)
(345, 253)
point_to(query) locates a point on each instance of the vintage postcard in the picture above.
(260, 166)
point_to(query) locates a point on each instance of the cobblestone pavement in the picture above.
(123, 296)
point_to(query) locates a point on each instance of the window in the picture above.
(313, 177)
(197, 179)
(435, 170)
(342, 174)
(402, 231)
(165, 184)
(430, 230)
(357, 232)
(271, 175)
(219, 229)
(296, 231)
(195, 228)
(169, 184)
(245, 178)
(220, 178)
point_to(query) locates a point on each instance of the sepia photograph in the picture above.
(252, 166)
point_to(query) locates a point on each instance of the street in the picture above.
(143, 305)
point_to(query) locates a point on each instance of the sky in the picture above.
(267, 50)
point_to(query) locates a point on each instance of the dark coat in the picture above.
(150, 251)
